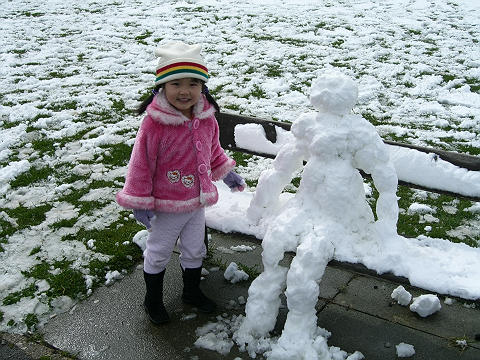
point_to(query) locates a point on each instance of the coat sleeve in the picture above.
(137, 191)
(220, 163)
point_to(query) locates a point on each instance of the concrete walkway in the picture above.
(354, 306)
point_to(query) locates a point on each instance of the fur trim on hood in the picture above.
(165, 113)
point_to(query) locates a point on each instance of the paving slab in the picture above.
(373, 296)
(376, 338)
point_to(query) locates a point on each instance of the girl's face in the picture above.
(183, 94)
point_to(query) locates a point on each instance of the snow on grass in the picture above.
(71, 72)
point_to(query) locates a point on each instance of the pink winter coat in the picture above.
(175, 159)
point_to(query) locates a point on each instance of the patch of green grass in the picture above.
(337, 43)
(66, 281)
(145, 35)
(1, 315)
(233, 107)
(448, 77)
(240, 158)
(340, 64)
(31, 320)
(409, 225)
(32, 14)
(273, 71)
(18, 51)
(110, 240)
(321, 25)
(258, 92)
(372, 119)
(252, 272)
(119, 154)
(69, 282)
(295, 183)
(118, 105)
(192, 10)
(474, 84)
(401, 139)
(35, 250)
(462, 343)
(10, 125)
(26, 217)
(44, 146)
(30, 177)
(15, 297)
(59, 75)
(66, 105)
(431, 51)
(468, 149)
(6, 229)
(65, 223)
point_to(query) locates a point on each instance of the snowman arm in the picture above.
(273, 181)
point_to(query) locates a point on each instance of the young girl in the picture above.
(175, 159)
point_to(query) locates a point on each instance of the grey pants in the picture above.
(166, 229)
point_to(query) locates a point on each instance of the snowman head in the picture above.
(333, 92)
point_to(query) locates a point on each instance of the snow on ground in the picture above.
(69, 69)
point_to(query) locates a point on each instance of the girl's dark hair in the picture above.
(145, 102)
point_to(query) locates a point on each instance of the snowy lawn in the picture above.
(72, 71)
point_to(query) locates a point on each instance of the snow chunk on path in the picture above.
(234, 274)
(402, 296)
(425, 305)
(405, 350)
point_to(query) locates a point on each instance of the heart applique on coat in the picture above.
(173, 176)
(188, 180)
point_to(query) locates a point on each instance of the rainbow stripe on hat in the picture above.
(195, 70)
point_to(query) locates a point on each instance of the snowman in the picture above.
(329, 211)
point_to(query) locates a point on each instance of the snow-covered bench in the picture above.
(418, 167)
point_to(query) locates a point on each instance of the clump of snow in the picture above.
(448, 301)
(402, 296)
(187, 317)
(111, 276)
(140, 238)
(426, 305)
(405, 350)
(416, 208)
(216, 336)
(462, 344)
(242, 248)
(234, 274)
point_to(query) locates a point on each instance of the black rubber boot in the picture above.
(192, 294)
(153, 303)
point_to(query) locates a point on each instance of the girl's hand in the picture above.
(143, 216)
(234, 181)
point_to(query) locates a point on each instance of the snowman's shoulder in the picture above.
(303, 123)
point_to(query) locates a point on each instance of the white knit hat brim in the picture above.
(178, 60)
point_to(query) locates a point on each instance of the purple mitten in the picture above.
(143, 216)
(234, 181)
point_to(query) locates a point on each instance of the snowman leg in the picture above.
(306, 271)
(264, 301)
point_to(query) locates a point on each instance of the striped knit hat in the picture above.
(178, 60)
